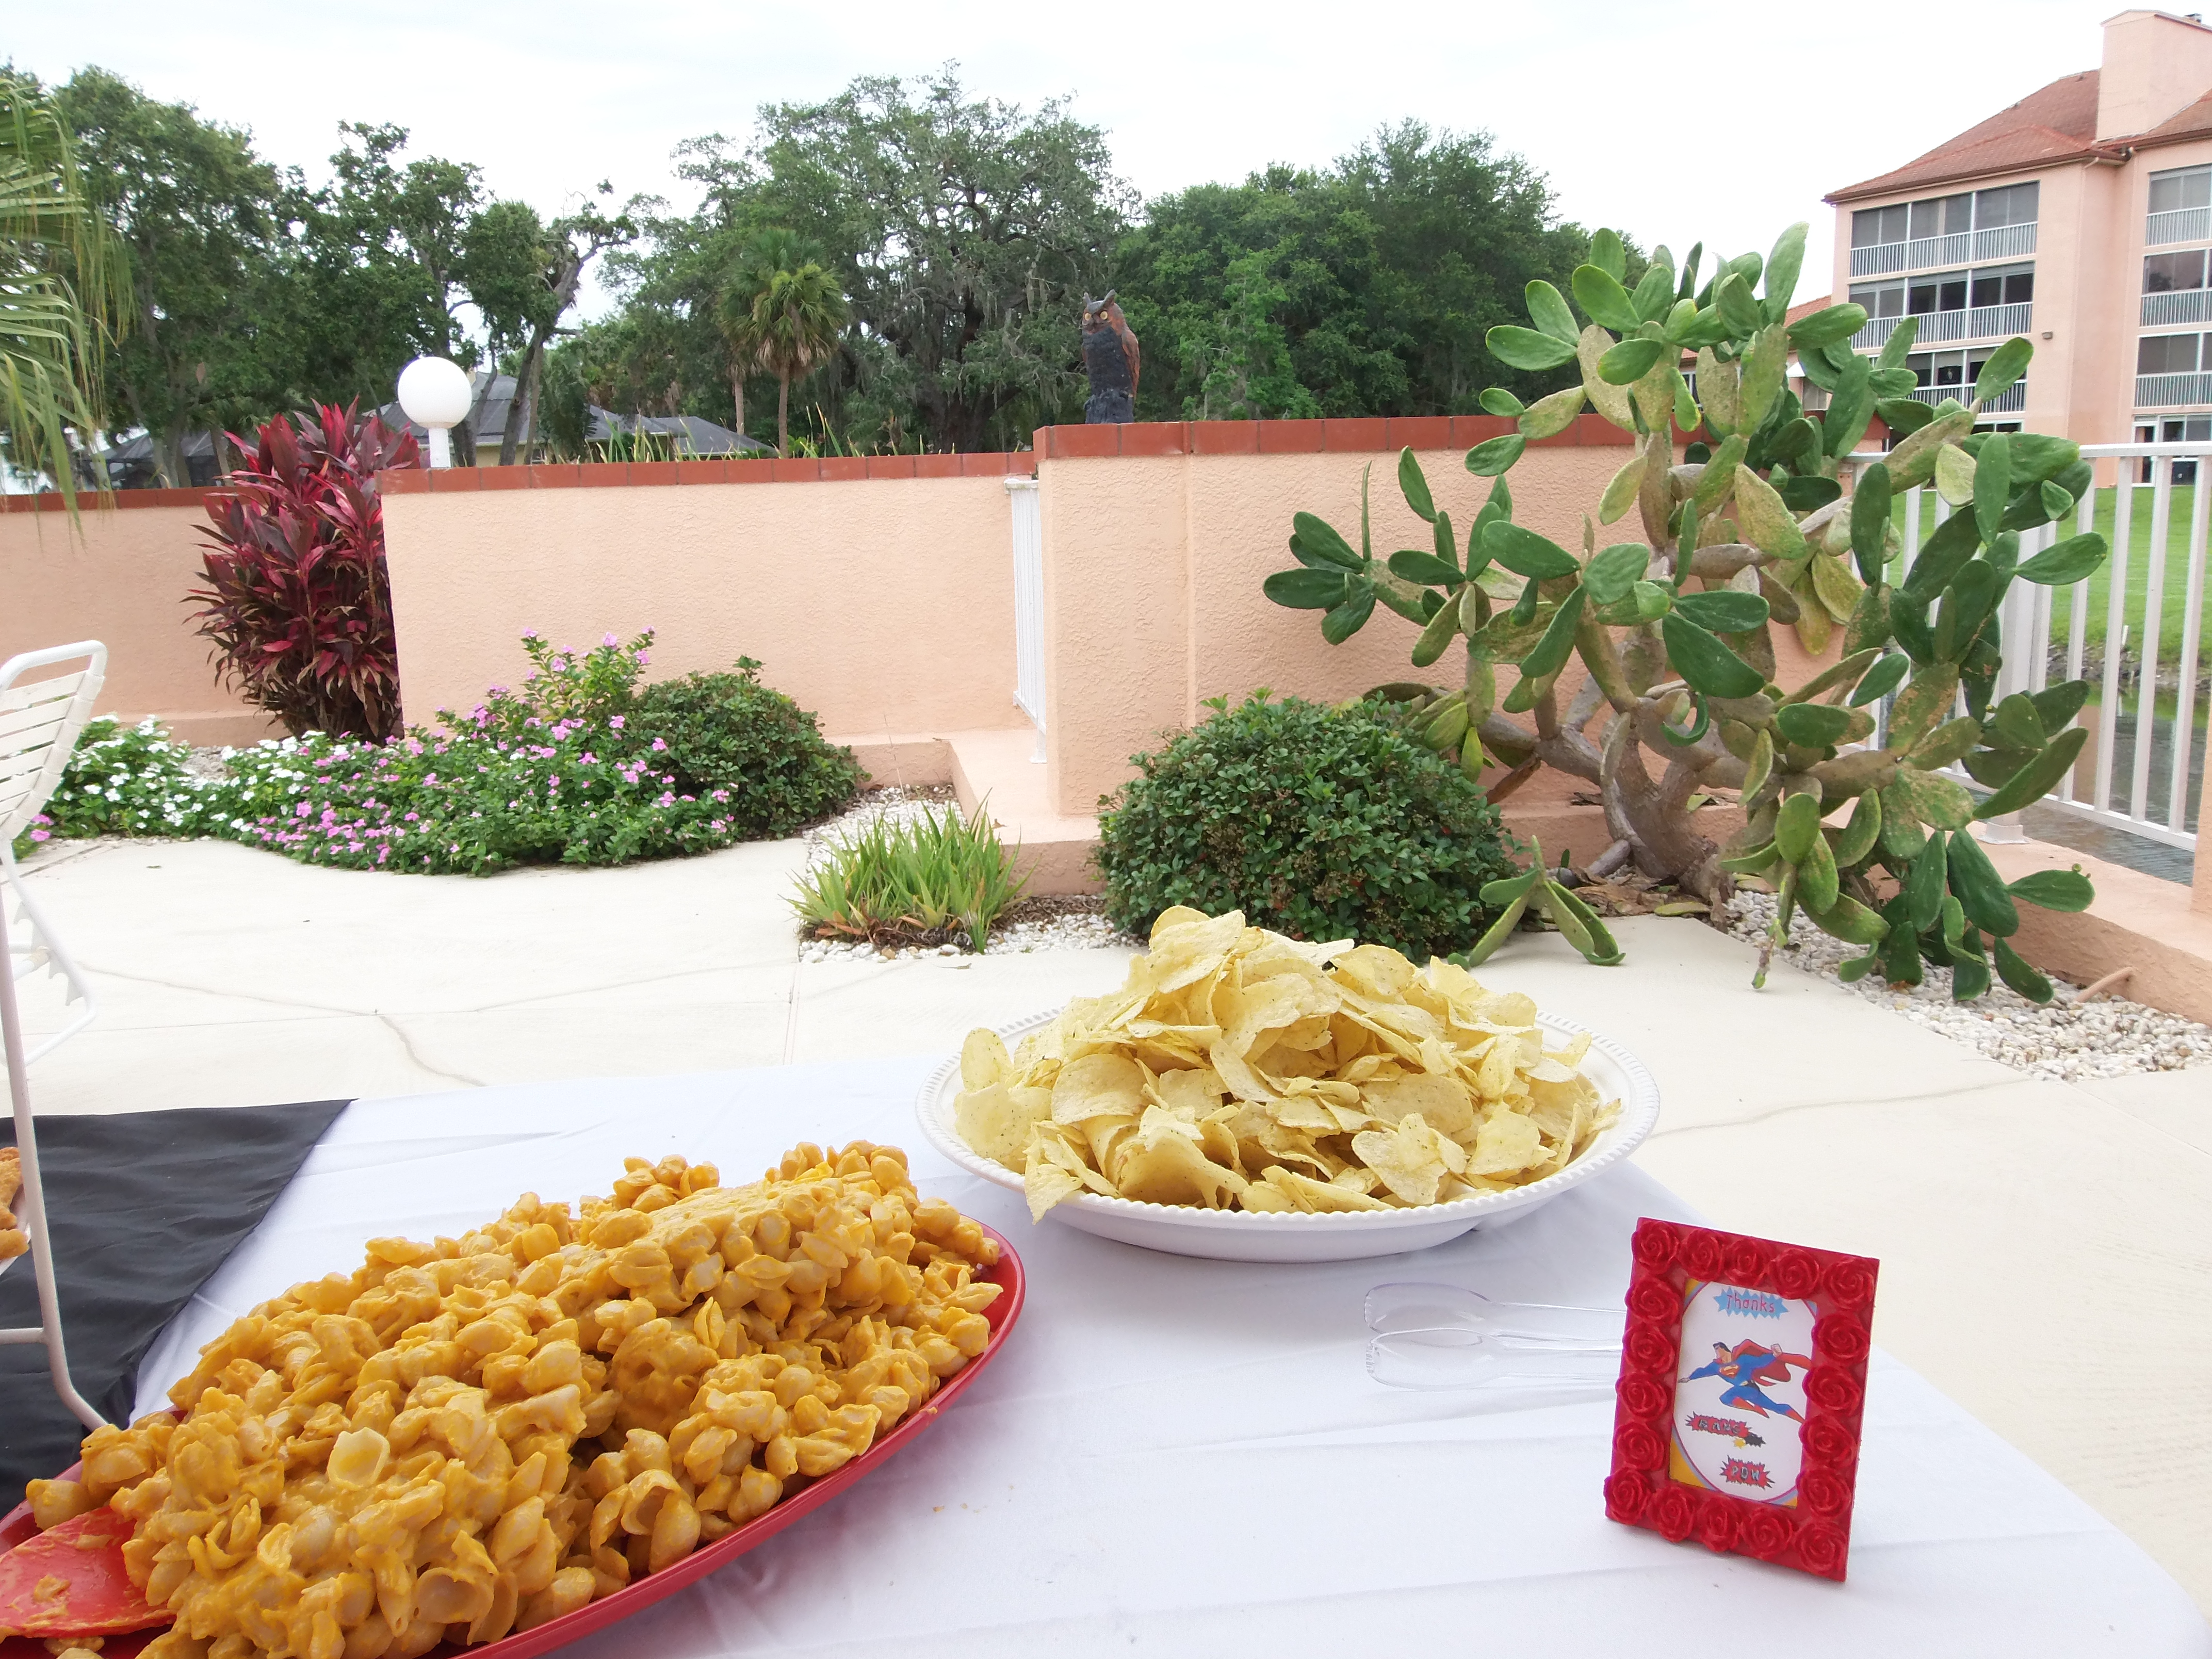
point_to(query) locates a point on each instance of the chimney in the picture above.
(2156, 66)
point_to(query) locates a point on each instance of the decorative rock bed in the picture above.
(2109, 1036)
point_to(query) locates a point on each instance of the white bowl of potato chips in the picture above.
(1252, 1097)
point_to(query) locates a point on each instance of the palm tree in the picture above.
(783, 313)
(60, 284)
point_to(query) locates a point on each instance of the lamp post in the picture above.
(436, 392)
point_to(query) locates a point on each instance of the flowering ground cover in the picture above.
(579, 765)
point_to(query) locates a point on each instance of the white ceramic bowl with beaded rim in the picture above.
(1272, 1235)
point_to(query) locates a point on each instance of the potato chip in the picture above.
(1238, 1068)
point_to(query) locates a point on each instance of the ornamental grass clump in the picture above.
(917, 882)
(1861, 823)
(1318, 822)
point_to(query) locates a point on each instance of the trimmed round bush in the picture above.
(728, 731)
(1318, 822)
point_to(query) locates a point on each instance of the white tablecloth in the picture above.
(1183, 1457)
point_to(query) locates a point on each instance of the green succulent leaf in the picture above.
(1614, 571)
(1782, 266)
(1607, 303)
(1975, 880)
(1880, 680)
(1705, 662)
(2034, 780)
(1321, 540)
(1416, 566)
(1927, 883)
(1551, 653)
(2054, 890)
(1349, 617)
(2013, 969)
(1437, 635)
(1527, 554)
(2005, 367)
(1992, 484)
(1903, 415)
(1489, 458)
(1413, 484)
(1524, 347)
(1548, 417)
(1306, 589)
(2066, 562)
(1723, 611)
(1813, 725)
(1628, 362)
(1496, 400)
(1832, 326)
(1932, 799)
(1548, 310)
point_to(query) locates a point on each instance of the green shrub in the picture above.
(730, 733)
(1318, 822)
(911, 883)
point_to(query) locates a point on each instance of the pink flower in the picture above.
(610, 640)
(665, 800)
(553, 782)
(615, 723)
(42, 835)
(589, 759)
(659, 745)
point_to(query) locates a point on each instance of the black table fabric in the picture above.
(144, 1206)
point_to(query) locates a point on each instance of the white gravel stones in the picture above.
(2109, 1038)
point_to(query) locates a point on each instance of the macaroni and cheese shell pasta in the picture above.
(478, 1435)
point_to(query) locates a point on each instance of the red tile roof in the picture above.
(2055, 124)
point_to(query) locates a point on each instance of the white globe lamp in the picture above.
(435, 391)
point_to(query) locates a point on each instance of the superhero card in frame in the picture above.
(1742, 1385)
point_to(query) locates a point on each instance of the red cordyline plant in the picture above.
(296, 600)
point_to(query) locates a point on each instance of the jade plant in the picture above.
(1671, 616)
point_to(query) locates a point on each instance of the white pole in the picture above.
(441, 446)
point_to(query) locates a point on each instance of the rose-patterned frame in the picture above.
(1813, 1537)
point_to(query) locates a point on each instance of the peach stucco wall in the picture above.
(1152, 575)
(881, 604)
(122, 582)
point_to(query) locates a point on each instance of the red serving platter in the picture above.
(17, 1528)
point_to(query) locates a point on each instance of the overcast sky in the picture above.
(1676, 123)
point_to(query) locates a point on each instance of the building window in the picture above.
(2185, 187)
(2167, 354)
(1936, 294)
(1940, 368)
(1870, 226)
(2008, 205)
(1879, 300)
(1945, 216)
(2003, 288)
(2171, 273)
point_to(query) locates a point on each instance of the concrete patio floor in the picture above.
(2046, 1247)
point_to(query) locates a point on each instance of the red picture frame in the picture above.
(1674, 1467)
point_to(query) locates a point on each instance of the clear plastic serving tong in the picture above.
(1443, 1336)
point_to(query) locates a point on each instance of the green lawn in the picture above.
(2173, 601)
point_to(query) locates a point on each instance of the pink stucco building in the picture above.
(2081, 217)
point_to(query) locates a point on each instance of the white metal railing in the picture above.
(1029, 603)
(1979, 323)
(2180, 225)
(1998, 242)
(2188, 304)
(2173, 391)
(2131, 648)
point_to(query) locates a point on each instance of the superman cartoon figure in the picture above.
(1747, 1365)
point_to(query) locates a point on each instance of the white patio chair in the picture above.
(38, 726)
